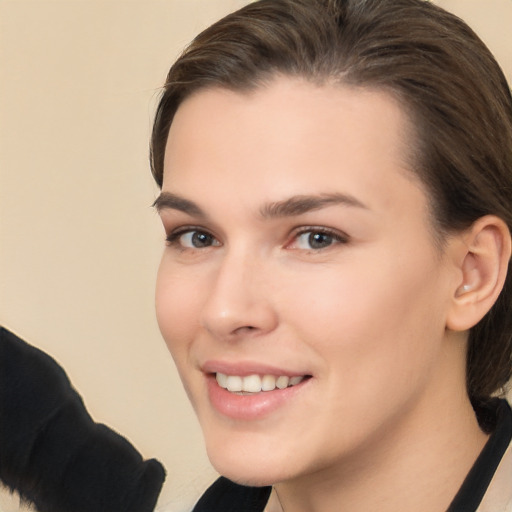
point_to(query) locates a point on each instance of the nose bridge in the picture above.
(237, 301)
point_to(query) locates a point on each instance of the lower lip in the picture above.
(250, 407)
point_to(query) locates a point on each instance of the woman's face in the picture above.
(301, 260)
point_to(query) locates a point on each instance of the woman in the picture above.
(336, 181)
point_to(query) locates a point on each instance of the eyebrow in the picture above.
(166, 200)
(293, 206)
(300, 204)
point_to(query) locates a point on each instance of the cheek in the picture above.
(177, 305)
(369, 319)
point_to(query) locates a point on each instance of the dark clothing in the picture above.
(52, 453)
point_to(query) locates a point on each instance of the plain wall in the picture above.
(79, 242)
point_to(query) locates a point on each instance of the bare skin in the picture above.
(301, 244)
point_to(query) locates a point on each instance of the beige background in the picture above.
(79, 243)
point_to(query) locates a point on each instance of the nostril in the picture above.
(245, 328)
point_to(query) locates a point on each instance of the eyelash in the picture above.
(336, 236)
(173, 239)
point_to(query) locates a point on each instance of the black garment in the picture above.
(480, 475)
(226, 496)
(52, 453)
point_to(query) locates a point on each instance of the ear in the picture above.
(483, 268)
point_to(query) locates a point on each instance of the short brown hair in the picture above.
(446, 78)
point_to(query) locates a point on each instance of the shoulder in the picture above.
(488, 486)
(226, 496)
(499, 493)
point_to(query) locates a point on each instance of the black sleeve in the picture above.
(52, 452)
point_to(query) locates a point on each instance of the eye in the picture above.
(192, 239)
(317, 239)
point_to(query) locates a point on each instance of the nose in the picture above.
(240, 301)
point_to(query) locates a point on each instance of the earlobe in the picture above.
(483, 268)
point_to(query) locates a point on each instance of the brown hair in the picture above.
(446, 78)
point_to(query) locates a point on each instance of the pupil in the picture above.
(201, 240)
(319, 240)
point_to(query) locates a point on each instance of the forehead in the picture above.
(289, 137)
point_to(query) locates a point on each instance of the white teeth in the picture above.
(282, 382)
(268, 383)
(222, 379)
(255, 383)
(251, 384)
(234, 383)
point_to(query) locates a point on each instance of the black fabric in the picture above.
(226, 496)
(479, 477)
(52, 452)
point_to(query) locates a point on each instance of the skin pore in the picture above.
(300, 245)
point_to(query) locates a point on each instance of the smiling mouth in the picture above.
(252, 384)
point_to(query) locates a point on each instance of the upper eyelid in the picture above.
(321, 229)
(173, 239)
(174, 220)
(338, 238)
(187, 228)
(294, 231)
(341, 236)
(181, 230)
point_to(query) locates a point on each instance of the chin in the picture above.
(249, 478)
(253, 470)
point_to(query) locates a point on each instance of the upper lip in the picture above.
(245, 368)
